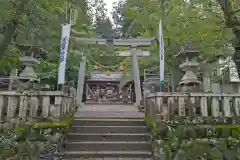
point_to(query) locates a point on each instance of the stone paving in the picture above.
(111, 111)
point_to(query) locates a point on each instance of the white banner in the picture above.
(161, 52)
(63, 52)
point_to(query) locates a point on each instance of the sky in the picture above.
(109, 6)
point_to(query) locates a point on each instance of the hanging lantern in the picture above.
(108, 73)
(121, 67)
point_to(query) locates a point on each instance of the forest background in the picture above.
(213, 26)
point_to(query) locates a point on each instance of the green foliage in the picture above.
(18, 140)
(194, 142)
(6, 148)
(201, 22)
(42, 22)
(198, 21)
(49, 68)
(11, 59)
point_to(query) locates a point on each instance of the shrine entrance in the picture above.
(100, 91)
(102, 88)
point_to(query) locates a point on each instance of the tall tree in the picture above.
(124, 24)
(97, 10)
(104, 28)
(42, 20)
(231, 11)
(198, 21)
(82, 27)
(17, 10)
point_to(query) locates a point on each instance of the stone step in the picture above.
(108, 122)
(141, 109)
(109, 129)
(108, 102)
(108, 146)
(108, 137)
(129, 155)
(109, 158)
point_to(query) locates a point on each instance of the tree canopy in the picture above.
(212, 26)
(201, 22)
(40, 20)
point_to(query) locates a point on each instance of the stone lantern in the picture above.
(189, 82)
(29, 63)
(27, 78)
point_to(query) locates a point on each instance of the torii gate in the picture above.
(133, 44)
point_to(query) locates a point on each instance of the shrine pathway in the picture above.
(109, 132)
(109, 111)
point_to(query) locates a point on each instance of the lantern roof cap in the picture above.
(188, 51)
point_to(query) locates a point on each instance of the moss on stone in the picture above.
(6, 153)
(65, 123)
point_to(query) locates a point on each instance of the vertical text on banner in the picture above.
(66, 28)
(161, 52)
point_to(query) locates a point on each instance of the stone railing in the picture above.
(185, 122)
(33, 124)
(30, 105)
(193, 104)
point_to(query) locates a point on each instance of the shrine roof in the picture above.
(102, 81)
(102, 76)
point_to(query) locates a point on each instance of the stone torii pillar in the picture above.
(81, 78)
(135, 70)
(133, 43)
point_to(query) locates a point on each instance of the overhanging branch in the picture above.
(12, 25)
(234, 12)
(170, 9)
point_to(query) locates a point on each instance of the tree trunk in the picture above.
(11, 26)
(233, 22)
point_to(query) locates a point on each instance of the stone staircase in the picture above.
(108, 139)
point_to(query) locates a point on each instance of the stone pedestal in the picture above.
(29, 71)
